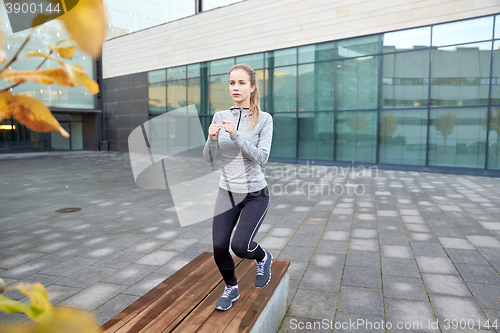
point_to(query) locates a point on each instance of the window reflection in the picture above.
(460, 75)
(493, 139)
(405, 40)
(283, 96)
(357, 47)
(463, 31)
(457, 137)
(357, 83)
(315, 135)
(356, 136)
(403, 137)
(284, 135)
(405, 79)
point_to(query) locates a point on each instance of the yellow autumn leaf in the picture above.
(3, 56)
(39, 299)
(76, 74)
(78, 77)
(5, 110)
(34, 114)
(86, 24)
(65, 52)
(45, 76)
(65, 320)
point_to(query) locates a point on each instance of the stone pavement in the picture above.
(371, 251)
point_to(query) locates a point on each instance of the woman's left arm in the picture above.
(259, 153)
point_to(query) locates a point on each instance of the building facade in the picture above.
(411, 85)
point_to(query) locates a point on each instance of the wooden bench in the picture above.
(185, 301)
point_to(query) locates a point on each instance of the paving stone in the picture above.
(412, 315)
(473, 257)
(478, 273)
(363, 259)
(94, 296)
(457, 308)
(494, 320)
(336, 235)
(404, 287)
(364, 233)
(304, 240)
(428, 249)
(27, 269)
(86, 276)
(436, 265)
(361, 300)
(445, 284)
(114, 306)
(313, 304)
(58, 293)
(120, 259)
(296, 253)
(396, 251)
(357, 322)
(42, 278)
(158, 258)
(364, 244)
(130, 274)
(18, 259)
(362, 277)
(69, 266)
(400, 267)
(484, 241)
(331, 247)
(417, 227)
(297, 324)
(297, 269)
(455, 243)
(486, 295)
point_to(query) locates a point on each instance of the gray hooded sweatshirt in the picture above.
(244, 153)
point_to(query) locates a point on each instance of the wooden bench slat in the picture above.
(167, 300)
(206, 309)
(135, 308)
(254, 304)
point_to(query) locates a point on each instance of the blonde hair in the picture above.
(254, 96)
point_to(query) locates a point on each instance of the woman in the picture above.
(243, 134)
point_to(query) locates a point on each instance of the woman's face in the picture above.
(240, 87)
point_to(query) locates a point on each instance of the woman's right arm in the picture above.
(212, 144)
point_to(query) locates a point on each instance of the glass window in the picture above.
(457, 137)
(259, 74)
(157, 98)
(196, 70)
(460, 75)
(357, 83)
(220, 99)
(405, 79)
(317, 52)
(403, 137)
(462, 32)
(254, 60)
(132, 15)
(57, 141)
(157, 76)
(497, 27)
(494, 139)
(198, 94)
(176, 73)
(406, 40)
(356, 134)
(315, 135)
(176, 95)
(281, 57)
(495, 81)
(221, 66)
(316, 82)
(76, 136)
(284, 135)
(283, 85)
(357, 47)
(211, 4)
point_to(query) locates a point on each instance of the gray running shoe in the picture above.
(263, 270)
(230, 294)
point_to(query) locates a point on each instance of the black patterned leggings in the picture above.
(251, 209)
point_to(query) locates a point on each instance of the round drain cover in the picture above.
(67, 210)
